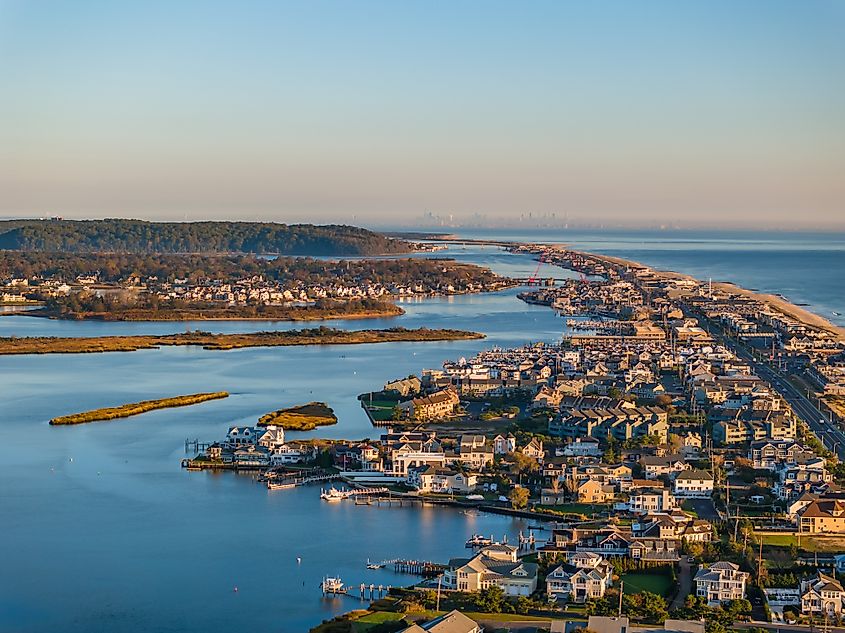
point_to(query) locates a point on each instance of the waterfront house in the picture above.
(437, 405)
(495, 565)
(404, 386)
(433, 479)
(721, 582)
(273, 438)
(238, 436)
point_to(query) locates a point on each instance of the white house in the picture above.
(586, 575)
(720, 583)
(821, 594)
(694, 484)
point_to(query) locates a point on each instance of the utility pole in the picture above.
(760, 562)
(621, 591)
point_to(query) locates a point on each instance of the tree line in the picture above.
(138, 236)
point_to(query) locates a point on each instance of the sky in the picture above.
(421, 113)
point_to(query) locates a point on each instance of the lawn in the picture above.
(364, 624)
(820, 544)
(655, 582)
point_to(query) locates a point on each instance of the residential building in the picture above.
(585, 575)
(721, 582)
(821, 594)
(694, 484)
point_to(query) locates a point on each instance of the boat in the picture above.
(333, 494)
(332, 585)
(477, 540)
(273, 485)
(374, 565)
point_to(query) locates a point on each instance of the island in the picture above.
(209, 341)
(304, 417)
(136, 408)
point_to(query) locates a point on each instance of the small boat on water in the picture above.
(332, 585)
(477, 540)
(275, 485)
(374, 565)
(333, 494)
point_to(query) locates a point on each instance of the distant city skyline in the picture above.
(465, 114)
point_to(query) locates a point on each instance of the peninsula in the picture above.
(136, 408)
(207, 340)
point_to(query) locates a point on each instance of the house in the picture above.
(273, 438)
(437, 405)
(404, 386)
(494, 565)
(582, 447)
(502, 445)
(586, 575)
(593, 491)
(534, 449)
(452, 622)
(721, 582)
(669, 465)
(821, 594)
(242, 436)
(433, 479)
(645, 500)
(474, 451)
(694, 484)
(770, 454)
(822, 516)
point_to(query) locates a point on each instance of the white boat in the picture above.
(477, 540)
(333, 494)
(271, 485)
(332, 585)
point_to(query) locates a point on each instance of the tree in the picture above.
(645, 607)
(490, 600)
(518, 496)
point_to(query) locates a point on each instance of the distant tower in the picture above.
(710, 287)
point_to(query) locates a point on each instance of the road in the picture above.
(787, 628)
(831, 436)
(684, 584)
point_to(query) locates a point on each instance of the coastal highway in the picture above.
(830, 435)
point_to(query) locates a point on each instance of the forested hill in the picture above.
(137, 236)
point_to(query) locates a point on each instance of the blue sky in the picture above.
(680, 113)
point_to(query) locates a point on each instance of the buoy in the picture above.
(235, 590)
(298, 560)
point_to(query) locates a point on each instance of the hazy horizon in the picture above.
(613, 114)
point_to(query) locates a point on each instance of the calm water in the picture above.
(121, 539)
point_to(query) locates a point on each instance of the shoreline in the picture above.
(776, 302)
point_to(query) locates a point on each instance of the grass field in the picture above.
(372, 620)
(820, 544)
(655, 582)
